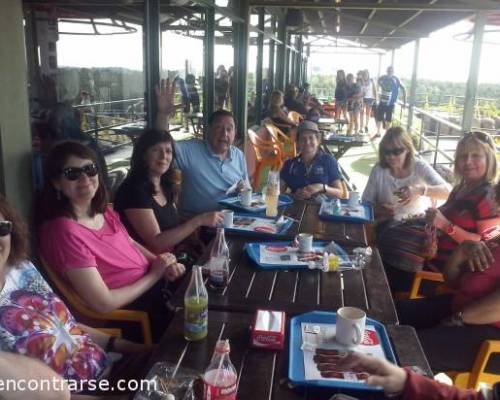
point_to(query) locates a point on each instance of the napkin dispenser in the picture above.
(268, 330)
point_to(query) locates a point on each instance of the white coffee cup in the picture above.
(353, 199)
(227, 220)
(305, 241)
(245, 197)
(350, 326)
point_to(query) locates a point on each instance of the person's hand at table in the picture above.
(213, 218)
(436, 217)
(407, 193)
(165, 93)
(478, 255)
(174, 271)
(381, 372)
(242, 185)
(308, 191)
(385, 211)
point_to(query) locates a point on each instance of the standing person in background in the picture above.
(341, 95)
(369, 99)
(221, 87)
(389, 91)
(354, 103)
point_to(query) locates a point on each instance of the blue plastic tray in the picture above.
(284, 228)
(296, 373)
(253, 252)
(234, 202)
(344, 218)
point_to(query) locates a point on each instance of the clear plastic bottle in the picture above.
(220, 377)
(219, 262)
(196, 307)
(272, 194)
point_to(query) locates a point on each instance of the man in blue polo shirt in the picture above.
(210, 167)
(312, 172)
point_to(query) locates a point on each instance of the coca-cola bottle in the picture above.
(220, 377)
(218, 263)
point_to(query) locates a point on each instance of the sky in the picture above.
(442, 57)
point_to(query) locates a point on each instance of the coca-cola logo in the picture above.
(266, 339)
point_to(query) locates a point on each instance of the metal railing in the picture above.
(427, 127)
(97, 119)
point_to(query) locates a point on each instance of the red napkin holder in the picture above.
(268, 330)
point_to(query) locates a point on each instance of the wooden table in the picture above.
(299, 291)
(263, 373)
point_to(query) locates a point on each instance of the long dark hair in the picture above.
(139, 172)
(54, 203)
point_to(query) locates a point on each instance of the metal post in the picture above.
(258, 77)
(280, 55)
(299, 77)
(240, 67)
(208, 55)
(152, 57)
(438, 133)
(287, 62)
(272, 47)
(471, 88)
(413, 87)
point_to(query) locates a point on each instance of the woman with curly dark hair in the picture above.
(147, 199)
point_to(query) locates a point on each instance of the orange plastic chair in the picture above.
(296, 117)
(469, 379)
(75, 302)
(288, 148)
(268, 154)
(472, 379)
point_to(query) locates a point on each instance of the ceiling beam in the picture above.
(357, 36)
(455, 7)
(372, 13)
(404, 23)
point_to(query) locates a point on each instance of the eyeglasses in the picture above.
(74, 173)
(5, 228)
(395, 152)
(482, 137)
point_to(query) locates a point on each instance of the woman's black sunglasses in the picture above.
(74, 173)
(395, 152)
(5, 228)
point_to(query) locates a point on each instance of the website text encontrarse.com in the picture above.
(57, 384)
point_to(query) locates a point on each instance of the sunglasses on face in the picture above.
(5, 228)
(395, 152)
(74, 173)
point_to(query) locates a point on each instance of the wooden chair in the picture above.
(75, 302)
(268, 154)
(469, 379)
(288, 147)
(296, 117)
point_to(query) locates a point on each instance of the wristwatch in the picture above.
(458, 318)
(324, 188)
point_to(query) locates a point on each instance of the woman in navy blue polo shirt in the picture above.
(312, 172)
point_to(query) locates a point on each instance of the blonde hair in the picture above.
(482, 141)
(397, 135)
